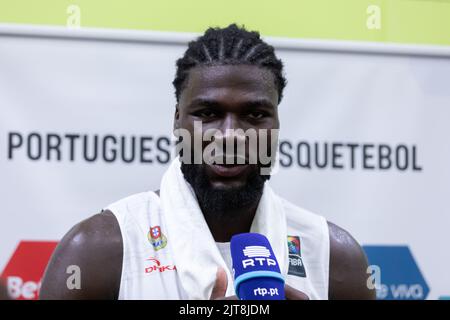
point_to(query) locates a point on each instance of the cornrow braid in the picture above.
(232, 45)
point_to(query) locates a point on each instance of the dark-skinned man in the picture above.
(174, 243)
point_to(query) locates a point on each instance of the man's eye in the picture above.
(256, 115)
(205, 114)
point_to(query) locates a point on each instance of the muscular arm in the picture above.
(348, 267)
(95, 245)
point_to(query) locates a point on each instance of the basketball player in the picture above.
(229, 78)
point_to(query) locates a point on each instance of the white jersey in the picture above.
(148, 270)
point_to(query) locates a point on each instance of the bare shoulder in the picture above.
(92, 248)
(348, 267)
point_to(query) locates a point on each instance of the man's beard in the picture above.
(223, 203)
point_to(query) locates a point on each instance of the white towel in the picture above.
(195, 253)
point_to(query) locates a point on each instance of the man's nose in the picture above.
(232, 135)
(232, 128)
(230, 122)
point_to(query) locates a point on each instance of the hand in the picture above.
(221, 284)
(294, 294)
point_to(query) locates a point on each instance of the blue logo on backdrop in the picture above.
(400, 277)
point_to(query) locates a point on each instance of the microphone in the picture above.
(256, 272)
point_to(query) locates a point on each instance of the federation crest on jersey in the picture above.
(296, 266)
(157, 238)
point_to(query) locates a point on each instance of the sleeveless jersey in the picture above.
(148, 270)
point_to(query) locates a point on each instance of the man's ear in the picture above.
(176, 119)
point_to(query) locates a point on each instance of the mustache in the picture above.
(226, 158)
(231, 151)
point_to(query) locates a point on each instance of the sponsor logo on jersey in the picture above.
(154, 266)
(296, 266)
(157, 238)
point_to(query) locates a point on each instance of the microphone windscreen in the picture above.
(256, 271)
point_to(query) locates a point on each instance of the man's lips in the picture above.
(228, 170)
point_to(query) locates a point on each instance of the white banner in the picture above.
(86, 119)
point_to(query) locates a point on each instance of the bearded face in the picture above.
(226, 98)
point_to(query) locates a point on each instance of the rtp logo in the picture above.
(400, 276)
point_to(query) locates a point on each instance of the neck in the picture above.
(226, 224)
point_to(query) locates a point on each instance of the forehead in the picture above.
(230, 82)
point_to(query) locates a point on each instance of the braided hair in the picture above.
(232, 45)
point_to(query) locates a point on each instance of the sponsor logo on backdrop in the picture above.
(157, 238)
(296, 266)
(154, 266)
(400, 275)
(23, 273)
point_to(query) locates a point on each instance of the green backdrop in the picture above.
(402, 21)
